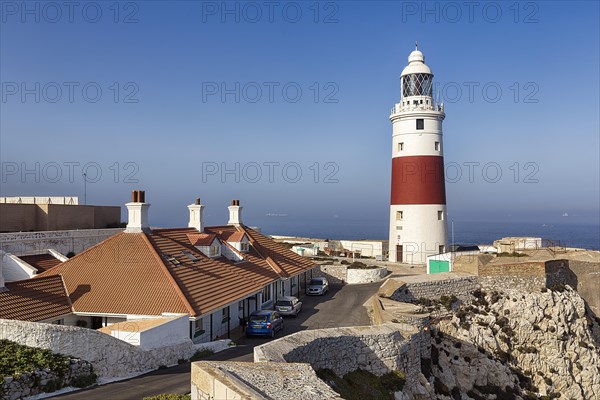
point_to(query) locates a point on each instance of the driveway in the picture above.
(342, 306)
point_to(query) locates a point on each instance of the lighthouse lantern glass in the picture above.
(417, 85)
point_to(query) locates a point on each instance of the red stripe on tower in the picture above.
(418, 180)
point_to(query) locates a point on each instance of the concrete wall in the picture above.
(17, 217)
(459, 287)
(49, 217)
(588, 282)
(110, 357)
(14, 269)
(168, 333)
(76, 241)
(367, 248)
(335, 274)
(357, 275)
(378, 349)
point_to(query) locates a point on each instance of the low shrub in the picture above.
(200, 354)
(84, 381)
(169, 396)
(393, 381)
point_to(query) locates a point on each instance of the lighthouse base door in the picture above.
(398, 253)
(436, 267)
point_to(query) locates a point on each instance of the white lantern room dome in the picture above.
(416, 64)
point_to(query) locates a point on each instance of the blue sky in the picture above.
(180, 101)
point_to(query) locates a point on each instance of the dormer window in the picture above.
(215, 250)
(245, 247)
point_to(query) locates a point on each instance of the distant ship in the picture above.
(275, 215)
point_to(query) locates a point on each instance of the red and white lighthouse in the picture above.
(418, 201)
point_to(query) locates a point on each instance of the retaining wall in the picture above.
(357, 275)
(42, 380)
(109, 356)
(459, 287)
(378, 349)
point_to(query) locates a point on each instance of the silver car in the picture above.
(317, 286)
(288, 305)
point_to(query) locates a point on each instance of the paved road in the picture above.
(340, 307)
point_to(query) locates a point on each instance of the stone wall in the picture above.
(335, 274)
(109, 356)
(242, 380)
(528, 284)
(76, 241)
(459, 287)
(378, 349)
(588, 282)
(535, 268)
(358, 275)
(43, 380)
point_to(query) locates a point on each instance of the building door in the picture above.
(438, 266)
(398, 253)
(96, 322)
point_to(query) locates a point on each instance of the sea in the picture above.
(566, 234)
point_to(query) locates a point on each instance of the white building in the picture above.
(216, 275)
(418, 196)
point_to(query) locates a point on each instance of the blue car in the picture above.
(264, 323)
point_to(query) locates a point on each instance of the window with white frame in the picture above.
(245, 246)
(214, 250)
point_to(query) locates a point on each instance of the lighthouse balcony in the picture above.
(417, 105)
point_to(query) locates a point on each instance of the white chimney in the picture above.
(235, 213)
(2, 288)
(137, 213)
(196, 220)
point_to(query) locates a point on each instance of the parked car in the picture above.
(288, 305)
(318, 286)
(264, 323)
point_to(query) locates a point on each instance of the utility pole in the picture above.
(453, 235)
(84, 188)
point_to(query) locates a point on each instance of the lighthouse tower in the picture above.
(418, 201)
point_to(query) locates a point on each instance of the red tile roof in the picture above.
(121, 275)
(235, 236)
(41, 262)
(162, 271)
(198, 239)
(35, 299)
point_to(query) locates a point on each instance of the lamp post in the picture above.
(84, 188)
(453, 235)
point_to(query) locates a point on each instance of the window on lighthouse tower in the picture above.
(420, 124)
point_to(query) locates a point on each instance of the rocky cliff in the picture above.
(513, 344)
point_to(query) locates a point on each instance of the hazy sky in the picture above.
(165, 96)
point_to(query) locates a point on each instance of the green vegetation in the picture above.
(16, 359)
(169, 396)
(448, 301)
(200, 354)
(84, 381)
(361, 265)
(364, 385)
